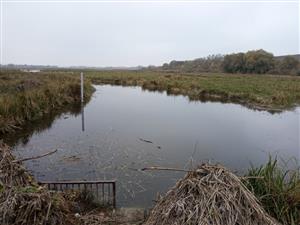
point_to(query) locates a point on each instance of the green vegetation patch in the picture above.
(269, 92)
(278, 189)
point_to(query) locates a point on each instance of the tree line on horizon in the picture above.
(251, 62)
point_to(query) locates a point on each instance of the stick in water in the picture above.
(164, 168)
(144, 140)
(34, 157)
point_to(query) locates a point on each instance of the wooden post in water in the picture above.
(81, 79)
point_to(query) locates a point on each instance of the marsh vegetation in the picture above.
(278, 189)
(27, 97)
(266, 92)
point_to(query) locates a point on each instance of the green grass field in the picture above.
(269, 92)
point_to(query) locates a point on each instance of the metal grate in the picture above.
(104, 192)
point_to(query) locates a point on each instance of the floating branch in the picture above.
(144, 140)
(184, 170)
(34, 157)
(164, 168)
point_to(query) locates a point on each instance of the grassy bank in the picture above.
(268, 92)
(278, 190)
(27, 97)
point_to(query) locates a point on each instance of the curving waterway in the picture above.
(123, 129)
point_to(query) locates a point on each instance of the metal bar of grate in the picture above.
(107, 188)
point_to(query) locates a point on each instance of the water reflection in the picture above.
(129, 129)
(40, 125)
(82, 117)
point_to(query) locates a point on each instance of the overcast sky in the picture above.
(130, 34)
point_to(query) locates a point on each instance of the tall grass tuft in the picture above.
(278, 189)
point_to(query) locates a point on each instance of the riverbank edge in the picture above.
(54, 102)
(160, 82)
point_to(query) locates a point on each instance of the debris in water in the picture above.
(72, 158)
(150, 142)
(144, 140)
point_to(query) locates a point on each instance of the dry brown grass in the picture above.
(32, 206)
(22, 201)
(12, 174)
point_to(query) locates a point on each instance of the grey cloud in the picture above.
(129, 34)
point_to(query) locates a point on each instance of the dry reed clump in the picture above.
(22, 201)
(34, 206)
(12, 173)
(98, 217)
(209, 195)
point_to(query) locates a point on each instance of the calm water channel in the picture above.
(127, 128)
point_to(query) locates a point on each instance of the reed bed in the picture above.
(28, 97)
(278, 190)
(209, 195)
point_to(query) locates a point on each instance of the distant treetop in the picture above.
(255, 61)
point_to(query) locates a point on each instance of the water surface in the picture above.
(120, 122)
